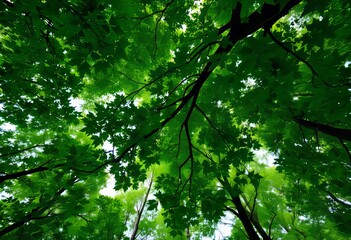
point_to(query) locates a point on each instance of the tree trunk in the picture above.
(140, 212)
(187, 232)
(254, 219)
(251, 232)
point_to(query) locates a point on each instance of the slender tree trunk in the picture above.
(140, 212)
(187, 232)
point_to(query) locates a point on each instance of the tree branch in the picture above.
(21, 150)
(35, 214)
(156, 12)
(140, 211)
(232, 211)
(212, 125)
(340, 133)
(270, 225)
(163, 11)
(336, 199)
(279, 43)
(346, 149)
(5, 176)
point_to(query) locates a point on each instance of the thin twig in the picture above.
(201, 50)
(317, 139)
(202, 153)
(173, 91)
(270, 225)
(303, 134)
(232, 211)
(180, 172)
(212, 125)
(190, 145)
(254, 203)
(21, 150)
(346, 149)
(279, 43)
(154, 13)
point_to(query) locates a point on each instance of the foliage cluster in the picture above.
(176, 100)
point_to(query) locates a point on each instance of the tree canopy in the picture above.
(205, 113)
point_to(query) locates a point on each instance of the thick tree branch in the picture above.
(8, 3)
(244, 218)
(340, 133)
(15, 175)
(336, 199)
(163, 106)
(4, 176)
(35, 214)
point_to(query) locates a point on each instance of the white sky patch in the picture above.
(196, 9)
(342, 200)
(224, 229)
(183, 28)
(304, 218)
(8, 127)
(108, 98)
(107, 146)
(265, 157)
(77, 103)
(172, 53)
(109, 190)
(249, 82)
(137, 102)
(4, 195)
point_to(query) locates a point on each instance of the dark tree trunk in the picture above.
(245, 220)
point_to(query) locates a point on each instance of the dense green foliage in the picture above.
(183, 103)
